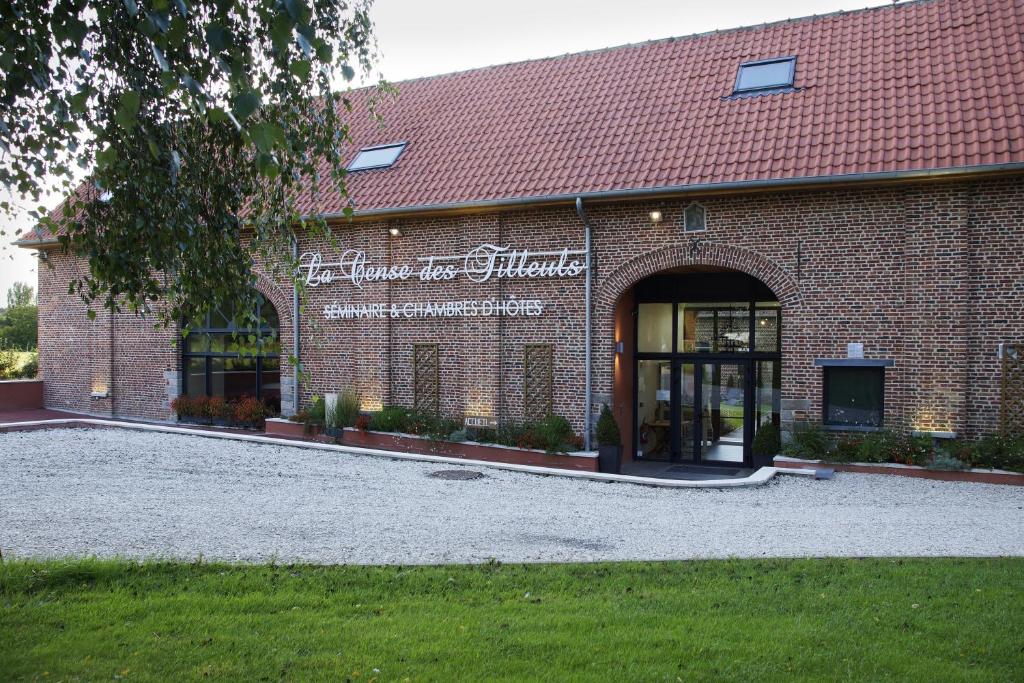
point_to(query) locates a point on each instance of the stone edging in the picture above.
(760, 477)
(974, 475)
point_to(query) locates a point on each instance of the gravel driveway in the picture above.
(109, 492)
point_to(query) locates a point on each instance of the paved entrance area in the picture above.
(140, 494)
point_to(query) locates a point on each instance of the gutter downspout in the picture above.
(587, 360)
(295, 329)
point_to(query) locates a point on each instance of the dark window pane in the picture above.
(269, 315)
(233, 377)
(854, 396)
(219, 321)
(271, 383)
(197, 342)
(195, 376)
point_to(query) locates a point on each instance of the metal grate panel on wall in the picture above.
(538, 373)
(426, 370)
(1011, 411)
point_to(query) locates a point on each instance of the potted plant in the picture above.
(609, 443)
(219, 411)
(340, 411)
(184, 407)
(250, 412)
(200, 410)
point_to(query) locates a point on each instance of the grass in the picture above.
(872, 620)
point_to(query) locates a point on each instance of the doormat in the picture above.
(696, 469)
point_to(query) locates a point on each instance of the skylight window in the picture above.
(381, 156)
(766, 75)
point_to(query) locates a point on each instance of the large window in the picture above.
(854, 396)
(220, 359)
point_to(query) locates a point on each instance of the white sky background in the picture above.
(438, 36)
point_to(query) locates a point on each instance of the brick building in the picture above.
(812, 220)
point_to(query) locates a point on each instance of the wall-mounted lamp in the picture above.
(655, 217)
(620, 347)
(395, 231)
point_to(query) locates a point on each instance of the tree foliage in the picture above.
(20, 294)
(195, 122)
(18, 328)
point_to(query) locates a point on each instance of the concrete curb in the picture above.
(758, 478)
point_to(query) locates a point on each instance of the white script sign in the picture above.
(479, 264)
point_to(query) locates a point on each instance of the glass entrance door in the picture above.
(723, 413)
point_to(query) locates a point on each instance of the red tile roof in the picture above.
(932, 84)
(916, 86)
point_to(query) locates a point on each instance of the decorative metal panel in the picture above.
(538, 378)
(1011, 414)
(426, 382)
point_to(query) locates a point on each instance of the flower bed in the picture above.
(410, 443)
(246, 412)
(972, 475)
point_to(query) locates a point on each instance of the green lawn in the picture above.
(871, 620)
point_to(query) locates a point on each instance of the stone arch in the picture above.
(745, 260)
(282, 302)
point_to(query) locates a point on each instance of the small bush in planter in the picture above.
(250, 411)
(609, 442)
(555, 434)
(809, 441)
(219, 411)
(346, 410)
(200, 410)
(184, 407)
(362, 422)
(391, 419)
(767, 441)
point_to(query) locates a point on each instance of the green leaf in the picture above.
(265, 135)
(245, 104)
(128, 109)
(300, 68)
(217, 37)
(91, 313)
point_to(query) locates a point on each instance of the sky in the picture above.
(439, 36)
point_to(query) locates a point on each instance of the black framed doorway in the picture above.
(707, 367)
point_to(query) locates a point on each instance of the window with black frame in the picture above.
(221, 359)
(854, 396)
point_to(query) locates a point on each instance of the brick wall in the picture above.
(928, 275)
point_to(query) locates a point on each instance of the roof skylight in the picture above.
(766, 75)
(381, 156)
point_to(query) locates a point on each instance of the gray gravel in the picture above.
(113, 492)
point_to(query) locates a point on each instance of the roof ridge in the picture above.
(668, 39)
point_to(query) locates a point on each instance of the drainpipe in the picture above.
(586, 335)
(295, 328)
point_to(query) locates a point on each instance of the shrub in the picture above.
(316, 414)
(346, 410)
(218, 409)
(809, 441)
(555, 434)
(911, 450)
(362, 422)
(391, 419)
(30, 369)
(183, 406)
(945, 461)
(877, 447)
(767, 441)
(8, 364)
(994, 451)
(458, 436)
(199, 404)
(250, 410)
(607, 430)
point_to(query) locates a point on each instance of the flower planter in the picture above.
(973, 475)
(609, 459)
(408, 443)
(279, 426)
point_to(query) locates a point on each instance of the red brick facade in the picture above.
(929, 275)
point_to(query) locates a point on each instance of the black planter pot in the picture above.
(334, 432)
(609, 459)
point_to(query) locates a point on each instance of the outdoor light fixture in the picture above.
(656, 217)
(395, 231)
(620, 347)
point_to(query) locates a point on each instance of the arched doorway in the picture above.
(705, 365)
(219, 359)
